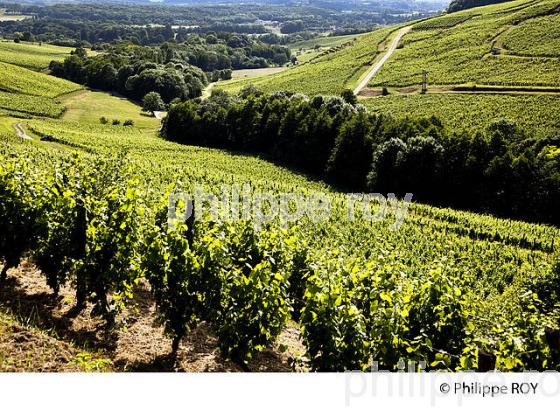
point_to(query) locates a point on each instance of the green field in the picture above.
(87, 107)
(456, 49)
(256, 72)
(11, 17)
(323, 42)
(33, 56)
(538, 113)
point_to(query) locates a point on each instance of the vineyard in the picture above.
(32, 56)
(84, 207)
(442, 22)
(329, 73)
(20, 80)
(359, 291)
(461, 53)
(21, 104)
(536, 113)
(520, 39)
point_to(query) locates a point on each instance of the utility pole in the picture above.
(424, 81)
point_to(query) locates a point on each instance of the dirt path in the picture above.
(207, 92)
(21, 132)
(160, 115)
(373, 70)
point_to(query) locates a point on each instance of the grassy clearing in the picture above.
(323, 42)
(87, 107)
(30, 55)
(257, 72)
(11, 17)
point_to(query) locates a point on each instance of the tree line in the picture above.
(175, 71)
(92, 24)
(501, 170)
(458, 5)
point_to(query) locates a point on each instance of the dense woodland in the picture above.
(93, 24)
(501, 170)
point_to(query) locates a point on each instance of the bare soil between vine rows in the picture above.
(46, 333)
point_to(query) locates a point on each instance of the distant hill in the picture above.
(458, 5)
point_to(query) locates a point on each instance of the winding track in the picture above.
(21, 132)
(374, 69)
(207, 92)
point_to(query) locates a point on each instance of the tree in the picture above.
(349, 97)
(80, 52)
(152, 102)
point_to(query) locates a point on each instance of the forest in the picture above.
(93, 24)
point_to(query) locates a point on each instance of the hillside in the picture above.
(92, 260)
(481, 47)
(33, 56)
(497, 61)
(329, 72)
(510, 44)
(19, 80)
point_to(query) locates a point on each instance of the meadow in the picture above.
(87, 107)
(323, 42)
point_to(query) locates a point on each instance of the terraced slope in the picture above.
(536, 113)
